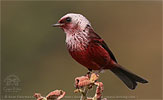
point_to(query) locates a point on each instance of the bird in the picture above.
(90, 50)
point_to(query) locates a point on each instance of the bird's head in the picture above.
(72, 22)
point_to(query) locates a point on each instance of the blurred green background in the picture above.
(35, 51)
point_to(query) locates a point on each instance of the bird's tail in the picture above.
(130, 79)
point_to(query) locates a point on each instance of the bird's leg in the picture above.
(89, 73)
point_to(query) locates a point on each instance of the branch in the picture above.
(82, 84)
(85, 83)
(54, 95)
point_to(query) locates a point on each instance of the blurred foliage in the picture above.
(36, 52)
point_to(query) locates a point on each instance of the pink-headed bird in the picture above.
(90, 50)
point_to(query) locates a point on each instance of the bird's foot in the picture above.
(89, 73)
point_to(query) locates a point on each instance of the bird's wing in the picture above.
(103, 44)
(97, 39)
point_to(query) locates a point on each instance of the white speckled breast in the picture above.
(77, 41)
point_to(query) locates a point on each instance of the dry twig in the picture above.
(83, 84)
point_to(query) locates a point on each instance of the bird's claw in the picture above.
(89, 74)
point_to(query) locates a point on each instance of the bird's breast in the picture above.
(77, 42)
(77, 46)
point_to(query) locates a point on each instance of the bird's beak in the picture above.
(57, 25)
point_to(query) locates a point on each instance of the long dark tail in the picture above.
(127, 77)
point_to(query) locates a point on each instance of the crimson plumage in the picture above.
(90, 50)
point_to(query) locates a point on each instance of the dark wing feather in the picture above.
(96, 38)
(103, 44)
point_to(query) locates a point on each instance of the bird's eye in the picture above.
(68, 19)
